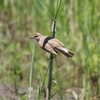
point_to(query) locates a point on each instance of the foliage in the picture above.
(78, 29)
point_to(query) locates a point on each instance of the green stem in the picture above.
(31, 76)
(53, 28)
(51, 56)
(49, 78)
(51, 63)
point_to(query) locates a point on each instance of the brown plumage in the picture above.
(51, 45)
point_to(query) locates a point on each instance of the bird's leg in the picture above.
(54, 55)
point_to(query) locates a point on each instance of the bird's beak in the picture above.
(31, 37)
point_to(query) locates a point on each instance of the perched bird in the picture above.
(51, 45)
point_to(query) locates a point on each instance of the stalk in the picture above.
(51, 56)
(31, 76)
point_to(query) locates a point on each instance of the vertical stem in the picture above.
(53, 28)
(98, 87)
(31, 76)
(51, 63)
(73, 16)
(49, 78)
(51, 56)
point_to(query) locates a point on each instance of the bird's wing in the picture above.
(55, 43)
(43, 43)
(48, 48)
(59, 42)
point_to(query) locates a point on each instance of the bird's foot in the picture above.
(53, 56)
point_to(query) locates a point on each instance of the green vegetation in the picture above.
(24, 66)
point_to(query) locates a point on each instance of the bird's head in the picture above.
(36, 36)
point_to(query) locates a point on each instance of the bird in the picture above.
(51, 45)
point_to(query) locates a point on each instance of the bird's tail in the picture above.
(66, 52)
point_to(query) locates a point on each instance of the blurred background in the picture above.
(77, 26)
